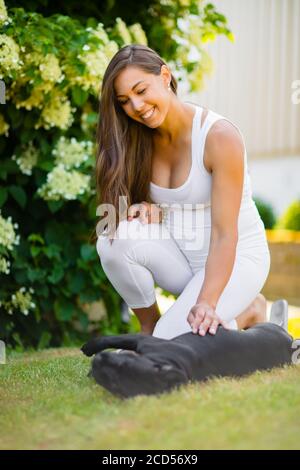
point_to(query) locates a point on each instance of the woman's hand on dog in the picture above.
(203, 318)
(147, 213)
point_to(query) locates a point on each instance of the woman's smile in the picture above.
(148, 114)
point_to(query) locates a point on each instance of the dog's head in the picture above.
(128, 375)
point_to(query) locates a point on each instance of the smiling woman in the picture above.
(142, 108)
(155, 150)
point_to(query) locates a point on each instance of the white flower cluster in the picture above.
(21, 301)
(138, 34)
(3, 12)
(37, 84)
(63, 184)
(96, 62)
(48, 65)
(95, 58)
(28, 159)
(50, 74)
(3, 126)
(189, 34)
(4, 265)
(99, 32)
(85, 122)
(71, 153)
(4, 19)
(44, 82)
(130, 34)
(110, 49)
(8, 239)
(57, 112)
(122, 31)
(50, 69)
(9, 55)
(34, 100)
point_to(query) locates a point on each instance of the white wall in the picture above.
(251, 85)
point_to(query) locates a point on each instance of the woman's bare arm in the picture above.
(225, 157)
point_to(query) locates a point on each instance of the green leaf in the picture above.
(79, 95)
(92, 118)
(3, 196)
(19, 195)
(64, 309)
(53, 251)
(36, 274)
(54, 206)
(35, 250)
(8, 166)
(36, 237)
(56, 233)
(45, 165)
(88, 296)
(92, 206)
(88, 252)
(56, 275)
(21, 276)
(42, 290)
(3, 251)
(76, 282)
(44, 340)
(16, 117)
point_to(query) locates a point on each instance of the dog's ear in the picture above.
(173, 374)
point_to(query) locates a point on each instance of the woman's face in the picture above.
(144, 97)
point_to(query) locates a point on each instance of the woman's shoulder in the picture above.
(223, 138)
(222, 131)
(219, 123)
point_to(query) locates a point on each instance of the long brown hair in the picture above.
(124, 146)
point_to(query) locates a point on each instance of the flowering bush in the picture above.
(177, 29)
(53, 67)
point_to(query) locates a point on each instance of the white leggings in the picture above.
(134, 264)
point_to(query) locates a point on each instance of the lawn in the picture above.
(47, 402)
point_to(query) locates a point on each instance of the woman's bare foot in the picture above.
(255, 313)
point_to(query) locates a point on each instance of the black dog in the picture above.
(161, 365)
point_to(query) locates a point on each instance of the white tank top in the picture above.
(195, 192)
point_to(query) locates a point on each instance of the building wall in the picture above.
(252, 80)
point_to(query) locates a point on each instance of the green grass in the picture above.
(47, 402)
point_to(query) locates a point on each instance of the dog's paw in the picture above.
(89, 348)
(85, 349)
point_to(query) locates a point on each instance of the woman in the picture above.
(156, 150)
